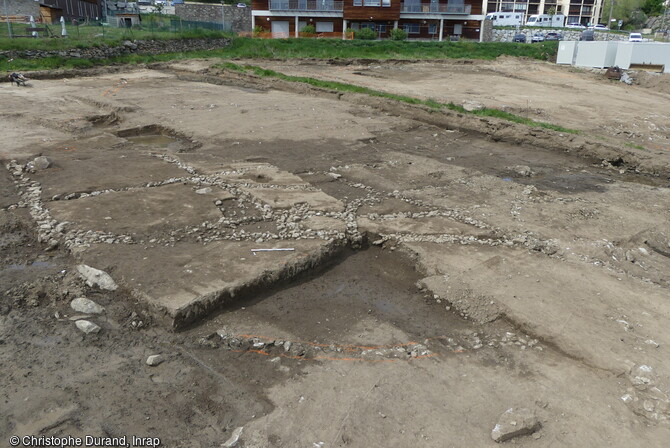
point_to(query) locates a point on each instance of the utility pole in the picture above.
(223, 17)
(609, 22)
(9, 27)
(665, 14)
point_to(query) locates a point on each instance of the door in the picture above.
(280, 29)
(458, 29)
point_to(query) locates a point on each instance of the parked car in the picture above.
(553, 36)
(635, 37)
(537, 37)
(588, 35)
(601, 27)
(519, 37)
(578, 26)
(241, 5)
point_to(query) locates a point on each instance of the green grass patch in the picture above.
(634, 146)
(384, 49)
(344, 87)
(249, 48)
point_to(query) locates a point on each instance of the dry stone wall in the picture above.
(507, 35)
(236, 19)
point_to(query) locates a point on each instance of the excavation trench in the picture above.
(357, 304)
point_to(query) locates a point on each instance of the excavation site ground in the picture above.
(320, 268)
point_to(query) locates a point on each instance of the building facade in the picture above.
(426, 19)
(586, 12)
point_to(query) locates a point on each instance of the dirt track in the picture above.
(439, 269)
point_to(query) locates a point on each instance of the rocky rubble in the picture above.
(646, 396)
(304, 350)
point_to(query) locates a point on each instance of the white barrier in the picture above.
(608, 54)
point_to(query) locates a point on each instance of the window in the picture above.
(324, 27)
(386, 3)
(381, 28)
(355, 26)
(368, 25)
(432, 29)
(372, 2)
(358, 2)
(411, 28)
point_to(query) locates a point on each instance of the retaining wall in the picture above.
(236, 19)
(507, 35)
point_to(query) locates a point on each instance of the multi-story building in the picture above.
(428, 19)
(585, 12)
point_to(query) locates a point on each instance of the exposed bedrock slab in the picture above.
(141, 212)
(586, 310)
(284, 199)
(187, 281)
(81, 170)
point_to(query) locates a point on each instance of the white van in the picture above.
(505, 18)
(555, 21)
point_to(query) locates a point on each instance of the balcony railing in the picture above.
(305, 5)
(435, 8)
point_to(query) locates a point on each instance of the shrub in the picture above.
(258, 30)
(365, 34)
(308, 29)
(398, 34)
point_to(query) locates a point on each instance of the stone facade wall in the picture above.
(507, 35)
(487, 31)
(236, 19)
(21, 8)
(127, 47)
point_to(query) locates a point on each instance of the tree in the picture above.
(626, 10)
(652, 7)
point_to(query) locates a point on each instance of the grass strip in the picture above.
(248, 48)
(344, 87)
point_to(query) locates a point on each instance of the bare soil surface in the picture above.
(434, 269)
(572, 97)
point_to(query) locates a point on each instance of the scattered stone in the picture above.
(625, 78)
(86, 306)
(513, 423)
(41, 163)
(95, 277)
(234, 438)
(154, 360)
(523, 170)
(472, 106)
(334, 175)
(206, 190)
(87, 326)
